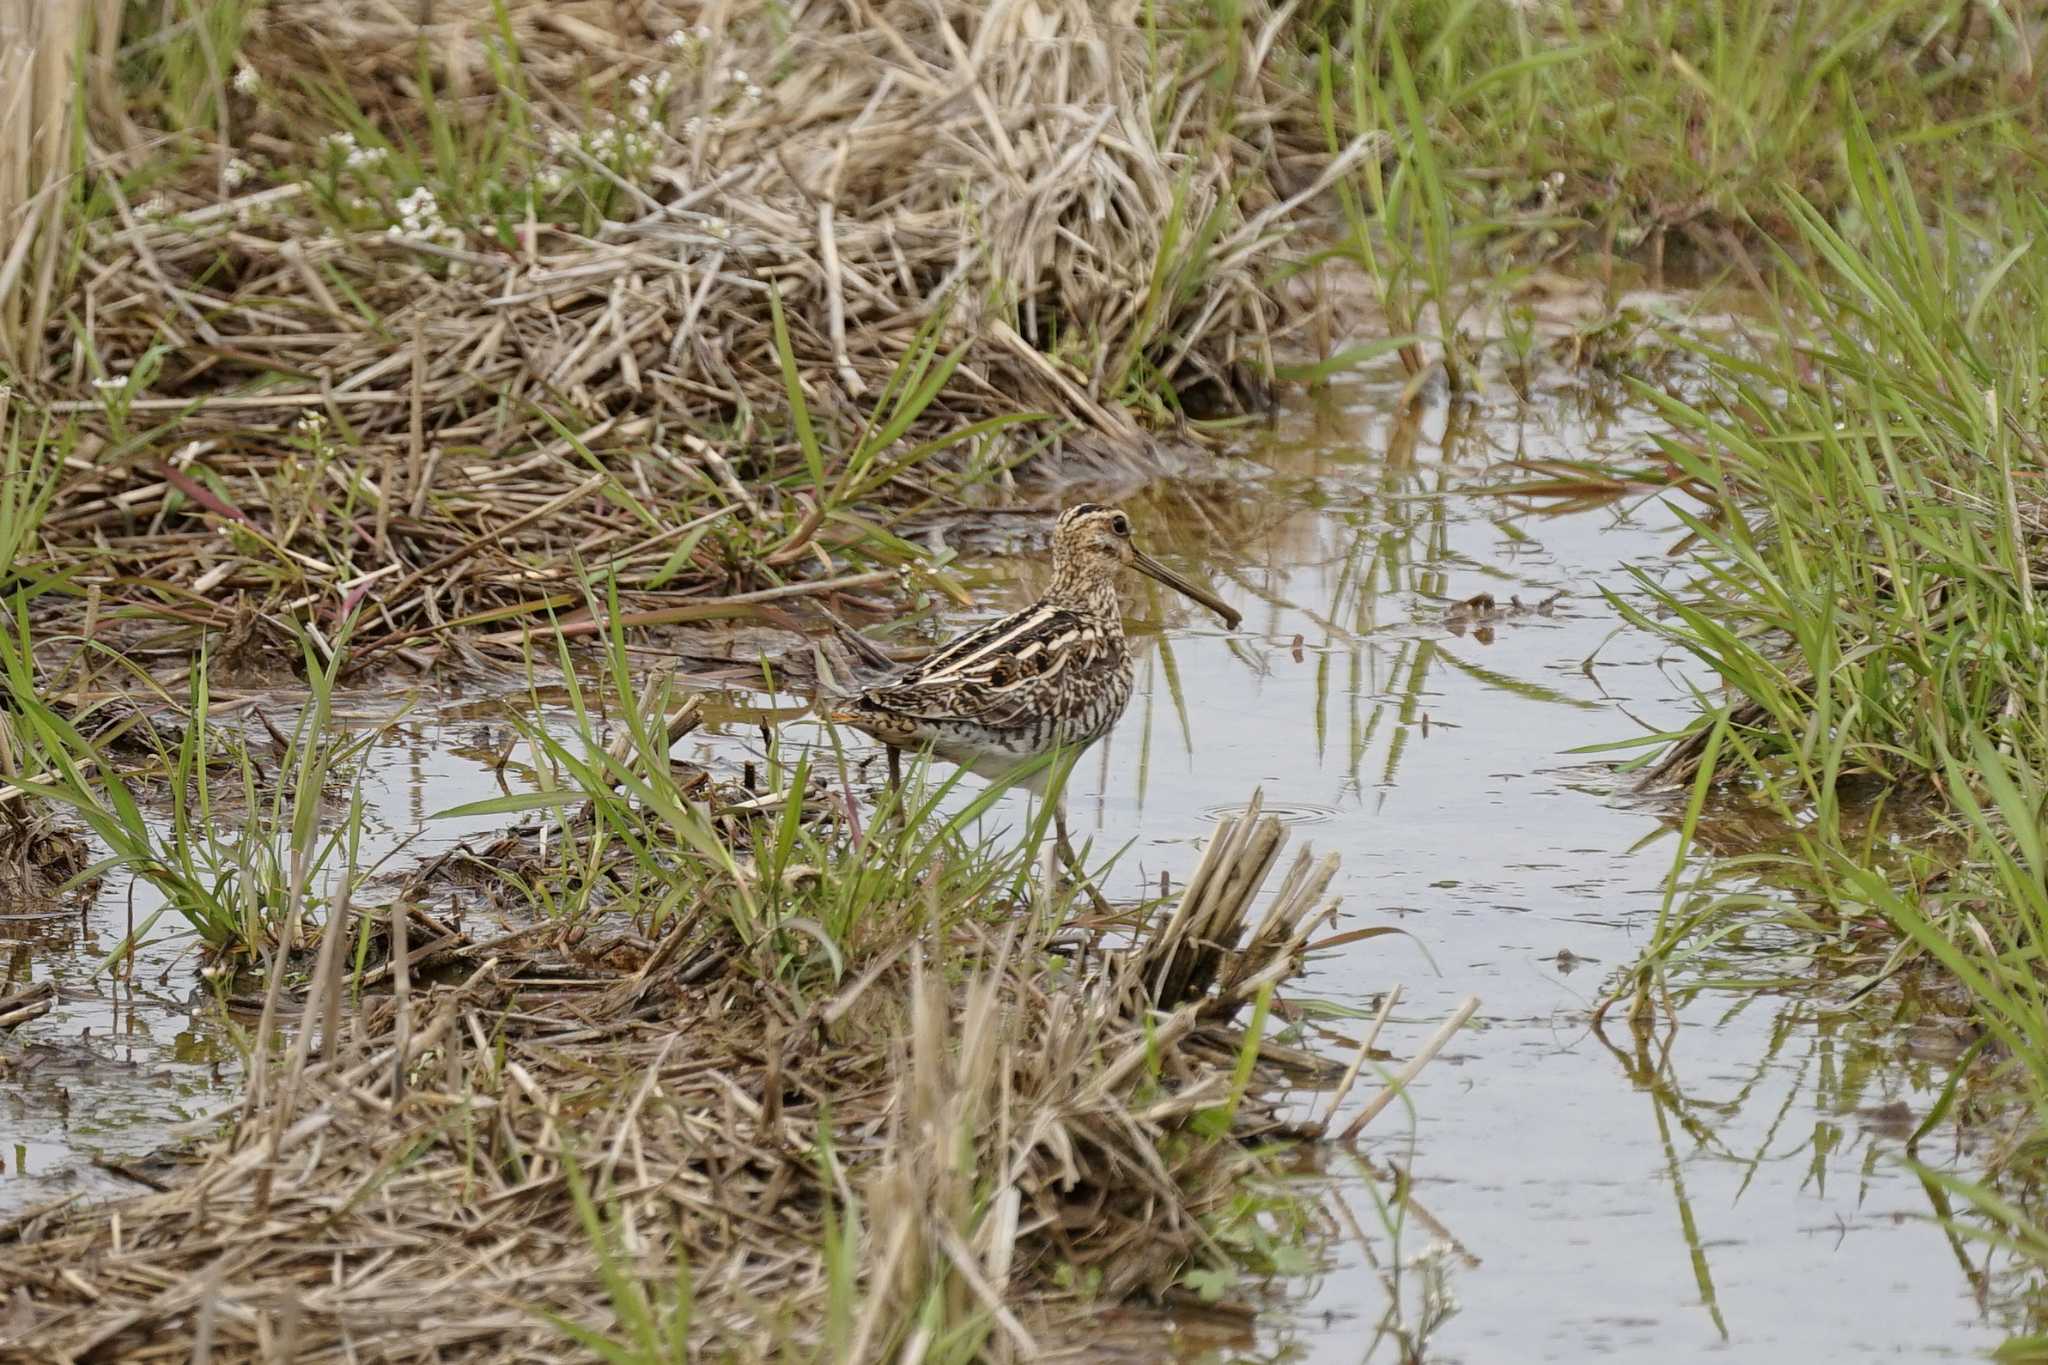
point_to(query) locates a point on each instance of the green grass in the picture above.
(1875, 532)
(651, 1329)
(1519, 135)
(1662, 117)
(187, 68)
(804, 891)
(238, 839)
(1870, 591)
(30, 468)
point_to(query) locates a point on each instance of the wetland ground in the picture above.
(446, 450)
(1733, 1179)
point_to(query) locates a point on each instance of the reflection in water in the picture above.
(1668, 1105)
(1729, 1182)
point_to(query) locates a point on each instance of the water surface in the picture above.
(1729, 1187)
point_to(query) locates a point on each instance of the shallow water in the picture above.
(1729, 1188)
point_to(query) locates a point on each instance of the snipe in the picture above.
(1055, 676)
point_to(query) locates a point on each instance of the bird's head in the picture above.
(1091, 542)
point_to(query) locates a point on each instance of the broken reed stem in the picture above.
(1437, 1041)
(1202, 950)
(24, 1005)
(337, 928)
(1343, 1090)
(401, 998)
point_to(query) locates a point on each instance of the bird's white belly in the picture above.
(987, 757)
(998, 754)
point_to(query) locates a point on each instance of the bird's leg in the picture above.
(1072, 859)
(896, 783)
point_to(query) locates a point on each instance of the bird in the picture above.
(1055, 676)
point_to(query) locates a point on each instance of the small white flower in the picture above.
(112, 381)
(420, 201)
(551, 180)
(311, 423)
(247, 81)
(419, 216)
(236, 173)
(702, 33)
(354, 157)
(156, 206)
(735, 76)
(677, 40)
(753, 91)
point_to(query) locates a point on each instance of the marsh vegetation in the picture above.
(579, 356)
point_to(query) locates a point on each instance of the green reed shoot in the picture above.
(655, 1328)
(31, 468)
(233, 841)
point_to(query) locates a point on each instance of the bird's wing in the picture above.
(981, 675)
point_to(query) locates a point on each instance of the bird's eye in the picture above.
(1121, 525)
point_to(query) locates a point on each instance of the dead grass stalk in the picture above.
(516, 328)
(39, 41)
(486, 1161)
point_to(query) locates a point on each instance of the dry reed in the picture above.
(407, 1187)
(517, 397)
(38, 42)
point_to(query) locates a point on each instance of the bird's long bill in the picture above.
(1146, 564)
